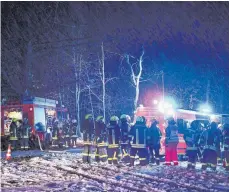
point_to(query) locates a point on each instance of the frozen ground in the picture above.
(66, 172)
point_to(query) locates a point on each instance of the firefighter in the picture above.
(114, 136)
(66, 129)
(171, 142)
(88, 137)
(61, 138)
(125, 140)
(73, 133)
(55, 133)
(138, 144)
(191, 137)
(25, 134)
(48, 137)
(13, 134)
(226, 146)
(211, 140)
(219, 153)
(153, 141)
(100, 138)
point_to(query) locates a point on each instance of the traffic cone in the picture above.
(8, 154)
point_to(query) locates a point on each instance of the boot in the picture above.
(158, 161)
(193, 166)
(189, 166)
(204, 167)
(175, 163)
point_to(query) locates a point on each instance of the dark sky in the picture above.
(188, 40)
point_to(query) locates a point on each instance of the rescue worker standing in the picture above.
(191, 138)
(138, 144)
(171, 142)
(153, 141)
(25, 134)
(13, 134)
(114, 136)
(100, 137)
(226, 146)
(66, 129)
(211, 140)
(125, 140)
(73, 133)
(55, 133)
(88, 136)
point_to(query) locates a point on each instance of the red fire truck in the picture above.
(37, 110)
(182, 117)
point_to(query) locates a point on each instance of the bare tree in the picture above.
(136, 76)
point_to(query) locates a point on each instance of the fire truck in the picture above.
(38, 111)
(183, 118)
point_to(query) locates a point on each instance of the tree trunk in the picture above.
(92, 110)
(136, 78)
(103, 82)
(78, 92)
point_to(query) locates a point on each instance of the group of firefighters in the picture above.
(59, 134)
(120, 141)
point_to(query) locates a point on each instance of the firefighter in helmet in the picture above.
(114, 136)
(153, 141)
(100, 137)
(66, 128)
(55, 124)
(25, 134)
(138, 144)
(74, 132)
(88, 136)
(210, 138)
(191, 137)
(14, 134)
(226, 146)
(171, 142)
(125, 139)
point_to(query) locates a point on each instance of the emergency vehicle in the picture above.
(183, 118)
(39, 111)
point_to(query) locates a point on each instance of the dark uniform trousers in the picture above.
(101, 152)
(226, 157)
(125, 152)
(55, 142)
(24, 143)
(67, 141)
(191, 153)
(209, 157)
(73, 140)
(87, 152)
(142, 153)
(113, 152)
(154, 152)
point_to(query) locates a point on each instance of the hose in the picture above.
(39, 143)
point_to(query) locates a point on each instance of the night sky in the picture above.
(189, 41)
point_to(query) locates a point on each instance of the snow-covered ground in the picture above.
(66, 172)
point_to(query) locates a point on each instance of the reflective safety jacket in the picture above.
(25, 131)
(114, 134)
(210, 139)
(138, 133)
(100, 131)
(226, 140)
(125, 127)
(13, 131)
(88, 131)
(171, 134)
(191, 137)
(66, 129)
